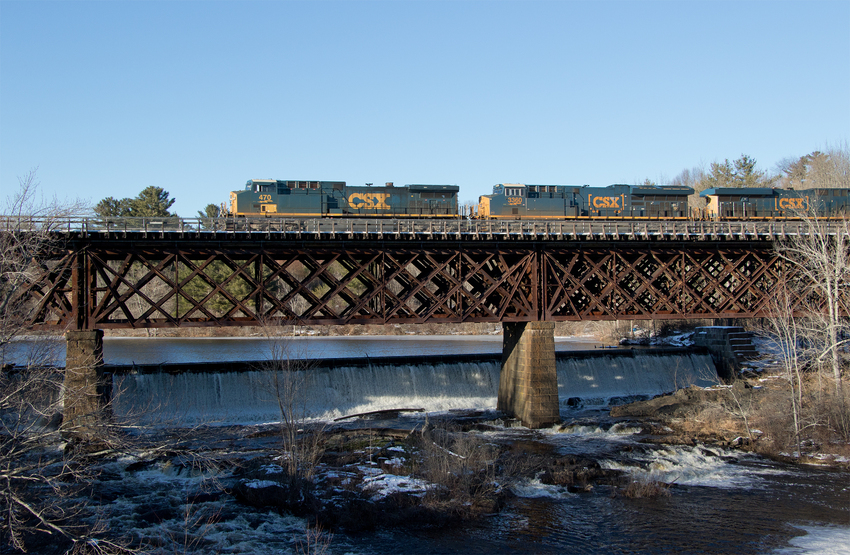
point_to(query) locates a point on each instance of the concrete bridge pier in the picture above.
(87, 392)
(528, 381)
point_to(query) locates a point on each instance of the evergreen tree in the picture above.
(210, 211)
(740, 173)
(111, 207)
(720, 175)
(152, 202)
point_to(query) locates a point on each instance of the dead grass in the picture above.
(643, 488)
(463, 468)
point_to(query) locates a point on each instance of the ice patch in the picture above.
(385, 484)
(272, 469)
(260, 484)
(819, 540)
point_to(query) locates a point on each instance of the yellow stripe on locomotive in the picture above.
(266, 197)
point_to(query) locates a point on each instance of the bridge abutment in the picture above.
(528, 381)
(86, 389)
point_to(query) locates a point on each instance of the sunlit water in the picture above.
(156, 350)
(721, 501)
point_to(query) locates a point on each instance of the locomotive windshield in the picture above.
(260, 186)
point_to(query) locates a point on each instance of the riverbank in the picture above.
(753, 414)
(370, 484)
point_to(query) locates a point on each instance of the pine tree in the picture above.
(152, 202)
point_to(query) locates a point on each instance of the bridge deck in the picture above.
(292, 229)
(136, 273)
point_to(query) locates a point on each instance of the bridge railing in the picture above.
(424, 228)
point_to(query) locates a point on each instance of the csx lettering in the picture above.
(265, 198)
(370, 201)
(606, 202)
(514, 201)
(792, 203)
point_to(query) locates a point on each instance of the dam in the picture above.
(231, 393)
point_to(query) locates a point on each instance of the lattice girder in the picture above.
(197, 283)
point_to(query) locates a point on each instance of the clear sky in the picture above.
(107, 98)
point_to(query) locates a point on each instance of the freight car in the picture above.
(517, 200)
(271, 197)
(765, 203)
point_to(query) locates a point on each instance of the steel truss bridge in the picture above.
(175, 273)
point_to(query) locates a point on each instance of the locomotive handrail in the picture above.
(405, 228)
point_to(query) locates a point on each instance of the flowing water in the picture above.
(332, 392)
(721, 501)
(155, 350)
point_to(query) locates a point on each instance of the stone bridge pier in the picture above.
(87, 392)
(528, 381)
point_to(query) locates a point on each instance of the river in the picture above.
(721, 501)
(155, 350)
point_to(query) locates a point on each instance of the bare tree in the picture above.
(286, 380)
(829, 169)
(40, 480)
(786, 334)
(820, 255)
(27, 227)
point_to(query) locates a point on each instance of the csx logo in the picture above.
(792, 203)
(371, 201)
(606, 202)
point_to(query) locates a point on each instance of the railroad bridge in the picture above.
(524, 274)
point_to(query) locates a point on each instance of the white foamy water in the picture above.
(691, 466)
(598, 379)
(250, 397)
(328, 393)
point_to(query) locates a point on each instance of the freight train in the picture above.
(763, 203)
(516, 200)
(312, 199)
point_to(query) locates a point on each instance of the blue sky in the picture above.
(106, 98)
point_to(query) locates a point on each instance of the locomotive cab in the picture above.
(267, 197)
(317, 199)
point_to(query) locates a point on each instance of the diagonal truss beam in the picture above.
(198, 283)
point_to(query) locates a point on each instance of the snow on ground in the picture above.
(382, 485)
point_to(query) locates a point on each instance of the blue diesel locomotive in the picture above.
(319, 199)
(517, 200)
(762, 203)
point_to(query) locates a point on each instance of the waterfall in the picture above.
(623, 377)
(250, 396)
(322, 393)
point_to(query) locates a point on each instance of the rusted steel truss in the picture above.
(98, 285)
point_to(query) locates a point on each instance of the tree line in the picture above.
(821, 169)
(826, 170)
(152, 202)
